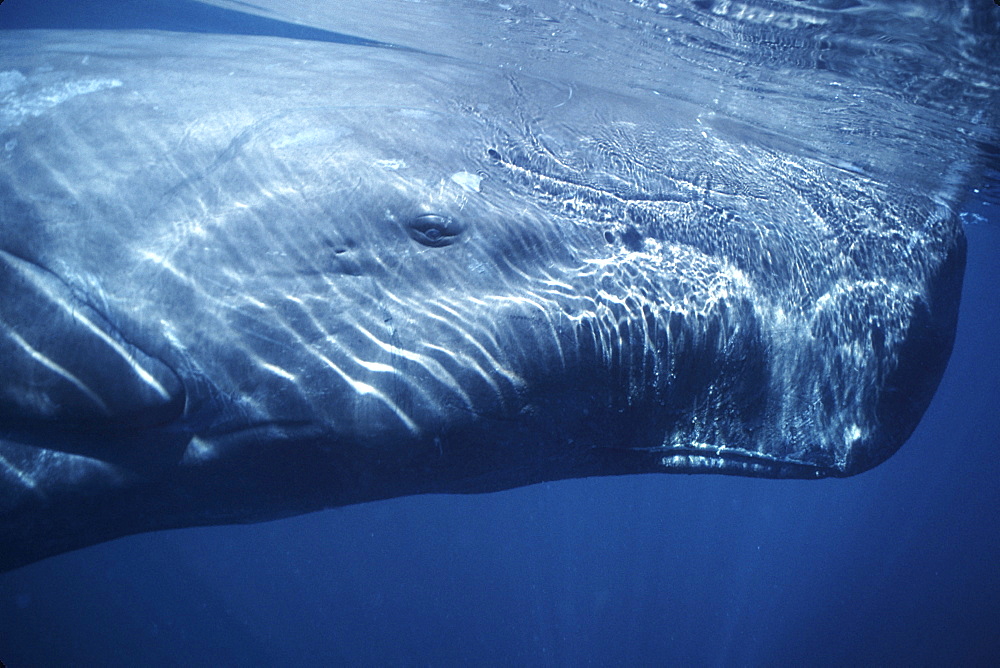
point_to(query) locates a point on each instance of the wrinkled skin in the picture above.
(233, 291)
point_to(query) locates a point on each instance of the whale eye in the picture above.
(431, 229)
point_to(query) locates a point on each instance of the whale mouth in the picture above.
(735, 461)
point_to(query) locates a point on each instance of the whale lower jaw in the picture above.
(737, 461)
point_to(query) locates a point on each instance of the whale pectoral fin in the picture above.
(65, 367)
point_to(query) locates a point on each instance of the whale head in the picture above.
(232, 292)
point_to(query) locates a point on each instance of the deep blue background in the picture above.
(900, 565)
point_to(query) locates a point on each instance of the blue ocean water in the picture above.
(897, 566)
